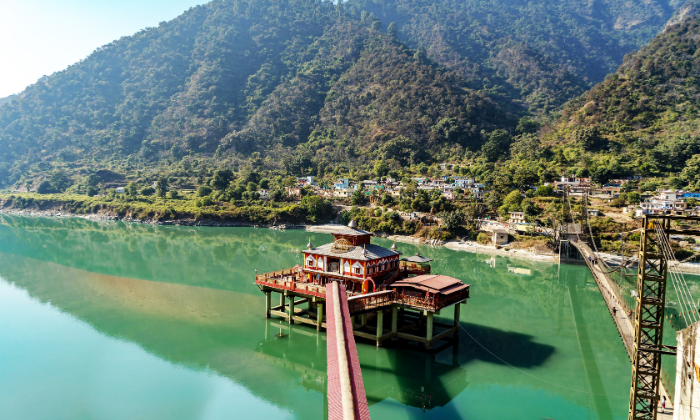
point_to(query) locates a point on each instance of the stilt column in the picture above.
(380, 326)
(394, 321)
(291, 309)
(268, 303)
(429, 329)
(456, 324)
(319, 315)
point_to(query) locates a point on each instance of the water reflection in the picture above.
(186, 296)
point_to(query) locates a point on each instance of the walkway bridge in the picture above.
(346, 391)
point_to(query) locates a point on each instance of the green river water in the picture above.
(125, 321)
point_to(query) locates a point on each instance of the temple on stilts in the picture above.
(379, 284)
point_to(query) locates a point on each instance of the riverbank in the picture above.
(456, 245)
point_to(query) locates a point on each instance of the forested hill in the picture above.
(533, 54)
(7, 99)
(309, 79)
(645, 118)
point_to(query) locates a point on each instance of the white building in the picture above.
(517, 216)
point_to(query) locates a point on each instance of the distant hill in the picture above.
(532, 55)
(646, 116)
(281, 83)
(7, 99)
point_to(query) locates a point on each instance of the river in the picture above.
(107, 320)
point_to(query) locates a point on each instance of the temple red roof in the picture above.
(433, 283)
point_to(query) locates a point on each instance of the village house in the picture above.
(477, 190)
(342, 184)
(344, 193)
(499, 237)
(666, 202)
(293, 191)
(516, 217)
(264, 194)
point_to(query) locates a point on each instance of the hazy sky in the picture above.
(40, 37)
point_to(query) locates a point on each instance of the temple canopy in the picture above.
(443, 285)
(366, 252)
(417, 259)
(349, 231)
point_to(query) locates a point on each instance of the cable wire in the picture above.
(533, 376)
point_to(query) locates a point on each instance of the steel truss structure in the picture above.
(649, 316)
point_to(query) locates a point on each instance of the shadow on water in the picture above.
(514, 348)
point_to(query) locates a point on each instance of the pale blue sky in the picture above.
(40, 37)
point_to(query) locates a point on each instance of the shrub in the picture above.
(204, 191)
(483, 238)
(44, 188)
(91, 191)
(148, 191)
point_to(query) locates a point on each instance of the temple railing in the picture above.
(387, 298)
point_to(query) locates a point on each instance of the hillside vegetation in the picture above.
(299, 87)
(645, 116)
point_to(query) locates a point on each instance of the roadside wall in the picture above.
(687, 401)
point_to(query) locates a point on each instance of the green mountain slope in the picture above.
(526, 54)
(645, 118)
(285, 82)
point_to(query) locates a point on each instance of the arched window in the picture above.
(310, 262)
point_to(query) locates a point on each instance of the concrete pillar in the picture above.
(319, 316)
(380, 326)
(363, 320)
(291, 309)
(394, 321)
(282, 301)
(456, 324)
(268, 303)
(429, 330)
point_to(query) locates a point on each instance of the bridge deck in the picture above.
(346, 391)
(623, 322)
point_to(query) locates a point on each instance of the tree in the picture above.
(91, 191)
(252, 186)
(691, 172)
(204, 190)
(221, 179)
(473, 213)
(588, 138)
(634, 197)
(59, 181)
(544, 191)
(421, 56)
(497, 145)
(147, 191)
(452, 220)
(317, 208)
(377, 26)
(381, 168)
(93, 180)
(392, 30)
(162, 186)
(173, 194)
(131, 189)
(527, 126)
(44, 188)
(358, 197)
